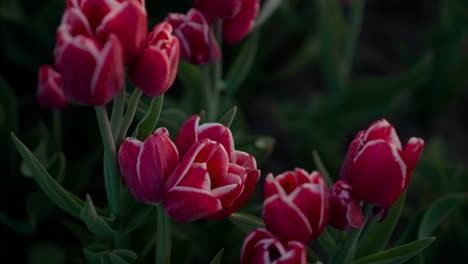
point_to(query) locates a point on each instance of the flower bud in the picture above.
(146, 165)
(377, 167)
(345, 209)
(261, 247)
(296, 205)
(237, 27)
(198, 45)
(49, 92)
(155, 69)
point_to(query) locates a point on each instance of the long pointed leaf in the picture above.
(95, 223)
(246, 222)
(217, 258)
(60, 196)
(397, 255)
(228, 117)
(148, 123)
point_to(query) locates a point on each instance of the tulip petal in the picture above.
(279, 210)
(158, 158)
(354, 148)
(295, 255)
(411, 155)
(250, 242)
(189, 204)
(236, 28)
(218, 133)
(382, 129)
(95, 10)
(219, 8)
(354, 214)
(49, 92)
(245, 160)
(187, 135)
(271, 186)
(378, 174)
(197, 177)
(128, 158)
(227, 194)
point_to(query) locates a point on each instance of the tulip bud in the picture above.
(296, 205)
(237, 27)
(126, 19)
(49, 92)
(198, 45)
(91, 74)
(218, 8)
(155, 69)
(146, 165)
(377, 167)
(261, 247)
(345, 209)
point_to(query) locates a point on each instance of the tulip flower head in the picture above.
(345, 209)
(49, 92)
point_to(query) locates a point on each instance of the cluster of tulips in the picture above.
(200, 174)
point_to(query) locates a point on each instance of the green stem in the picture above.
(215, 75)
(57, 128)
(111, 174)
(357, 13)
(163, 236)
(117, 112)
(129, 115)
(346, 252)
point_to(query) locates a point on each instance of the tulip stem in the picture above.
(111, 174)
(163, 236)
(129, 115)
(345, 254)
(117, 113)
(57, 128)
(357, 14)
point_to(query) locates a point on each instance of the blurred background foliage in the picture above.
(300, 86)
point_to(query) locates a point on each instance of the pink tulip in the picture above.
(296, 205)
(345, 209)
(146, 165)
(126, 19)
(237, 27)
(261, 247)
(377, 167)
(91, 74)
(155, 69)
(198, 45)
(218, 8)
(49, 92)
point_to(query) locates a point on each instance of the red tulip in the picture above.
(146, 165)
(345, 209)
(155, 69)
(296, 205)
(198, 45)
(237, 27)
(261, 247)
(218, 8)
(91, 74)
(126, 19)
(377, 167)
(49, 91)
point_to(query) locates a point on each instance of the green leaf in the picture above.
(163, 236)
(241, 67)
(217, 258)
(246, 222)
(322, 169)
(60, 196)
(95, 223)
(438, 211)
(378, 234)
(397, 255)
(268, 8)
(228, 117)
(327, 242)
(148, 123)
(97, 254)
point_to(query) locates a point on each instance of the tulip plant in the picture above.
(198, 173)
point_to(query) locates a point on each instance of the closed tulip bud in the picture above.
(218, 8)
(146, 165)
(155, 69)
(197, 43)
(237, 27)
(296, 205)
(91, 74)
(345, 209)
(126, 19)
(49, 92)
(377, 167)
(262, 247)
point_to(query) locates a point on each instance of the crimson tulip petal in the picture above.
(218, 133)
(296, 254)
(227, 194)
(354, 214)
(277, 211)
(128, 159)
(219, 8)
(158, 157)
(354, 148)
(245, 160)
(382, 129)
(378, 175)
(197, 177)
(236, 28)
(271, 186)
(189, 204)
(96, 10)
(76, 22)
(187, 135)
(411, 155)
(49, 92)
